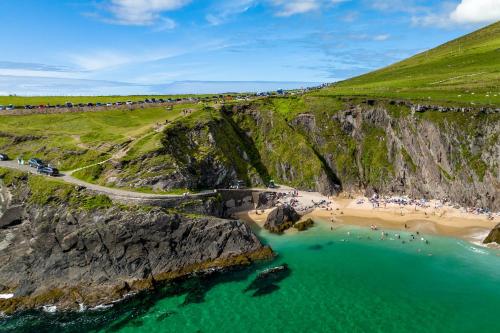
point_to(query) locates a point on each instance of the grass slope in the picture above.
(465, 70)
(73, 140)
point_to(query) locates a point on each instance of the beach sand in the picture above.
(436, 219)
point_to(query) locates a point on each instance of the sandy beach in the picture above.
(429, 217)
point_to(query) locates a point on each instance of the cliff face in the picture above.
(62, 255)
(329, 144)
(386, 147)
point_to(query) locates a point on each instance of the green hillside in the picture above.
(464, 70)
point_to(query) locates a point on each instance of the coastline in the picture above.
(432, 217)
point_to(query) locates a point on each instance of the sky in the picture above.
(131, 46)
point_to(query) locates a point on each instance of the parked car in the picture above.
(4, 157)
(68, 104)
(10, 107)
(2, 107)
(109, 104)
(36, 163)
(98, 104)
(237, 185)
(49, 171)
(128, 102)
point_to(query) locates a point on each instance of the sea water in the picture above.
(342, 280)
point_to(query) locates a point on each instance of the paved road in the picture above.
(98, 188)
(119, 193)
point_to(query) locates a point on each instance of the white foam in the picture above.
(49, 308)
(6, 296)
(102, 307)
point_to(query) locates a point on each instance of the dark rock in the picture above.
(12, 216)
(281, 218)
(63, 256)
(303, 225)
(266, 281)
(494, 236)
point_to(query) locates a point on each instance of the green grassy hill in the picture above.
(465, 70)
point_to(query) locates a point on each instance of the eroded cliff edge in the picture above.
(329, 144)
(65, 246)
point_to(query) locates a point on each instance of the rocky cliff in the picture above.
(67, 247)
(329, 144)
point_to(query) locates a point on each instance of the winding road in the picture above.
(121, 193)
(113, 192)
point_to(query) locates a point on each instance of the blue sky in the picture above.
(155, 42)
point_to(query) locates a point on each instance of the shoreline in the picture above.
(431, 217)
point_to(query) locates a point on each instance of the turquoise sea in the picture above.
(337, 282)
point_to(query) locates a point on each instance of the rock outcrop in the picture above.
(281, 218)
(303, 225)
(66, 255)
(494, 236)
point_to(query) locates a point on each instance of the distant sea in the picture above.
(38, 86)
(346, 280)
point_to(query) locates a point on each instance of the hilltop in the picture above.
(465, 70)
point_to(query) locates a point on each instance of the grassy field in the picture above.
(73, 140)
(464, 71)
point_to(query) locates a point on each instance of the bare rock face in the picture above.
(494, 236)
(63, 256)
(281, 218)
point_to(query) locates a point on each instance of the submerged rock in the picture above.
(267, 281)
(281, 218)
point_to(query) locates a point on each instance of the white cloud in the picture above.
(36, 73)
(223, 11)
(381, 38)
(99, 60)
(476, 11)
(142, 12)
(293, 7)
(466, 12)
(289, 8)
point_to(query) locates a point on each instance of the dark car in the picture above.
(36, 163)
(4, 157)
(49, 171)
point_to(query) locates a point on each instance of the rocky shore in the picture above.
(67, 248)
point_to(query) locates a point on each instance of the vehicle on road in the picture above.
(10, 107)
(4, 157)
(2, 107)
(49, 171)
(237, 185)
(36, 163)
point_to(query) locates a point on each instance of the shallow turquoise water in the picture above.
(338, 283)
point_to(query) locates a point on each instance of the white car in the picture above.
(109, 104)
(2, 107)
(129, 103)
(10, 107)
